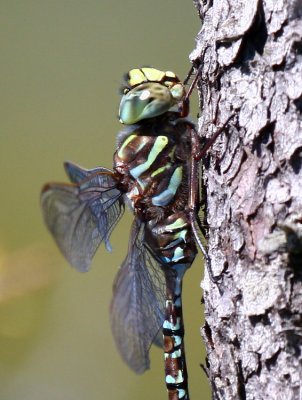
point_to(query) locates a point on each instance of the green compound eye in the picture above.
(147, 100)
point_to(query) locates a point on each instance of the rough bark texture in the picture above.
(250, 54)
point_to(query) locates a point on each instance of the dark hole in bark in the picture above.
(297, 47)
(298, 104)
(294, 341)
(272, 361)
(296, 160)
(255, 40)
(241, 382)
(265, 138)
(261, 319)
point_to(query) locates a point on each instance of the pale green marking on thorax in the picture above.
(141, 183)
(171, 154)
(161, 169)
(179, 223)
(167, 195)
(143, 142)
(176, 179)
(125, 144)
(181, 235)
(159, 144)
(178, 254)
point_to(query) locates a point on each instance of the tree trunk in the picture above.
(250, 54)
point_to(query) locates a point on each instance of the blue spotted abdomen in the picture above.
(171, 240)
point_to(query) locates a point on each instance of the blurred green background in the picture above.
(61, 67)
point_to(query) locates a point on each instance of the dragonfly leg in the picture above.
(196, 229)
(196, 156)
(185, 102)
(197, 152)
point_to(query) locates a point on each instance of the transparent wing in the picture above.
(83, 214)
(77, 174)
(137, 307)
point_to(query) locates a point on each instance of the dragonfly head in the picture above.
(149, 93)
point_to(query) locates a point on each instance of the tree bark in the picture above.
(250, 53)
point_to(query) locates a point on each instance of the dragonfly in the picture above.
(155, 173)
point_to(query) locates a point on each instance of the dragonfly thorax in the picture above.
(151, 161)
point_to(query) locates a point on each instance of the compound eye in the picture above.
(178, 91)
(145, 101)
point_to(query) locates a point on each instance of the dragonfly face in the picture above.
(149, 93)
(152, 167)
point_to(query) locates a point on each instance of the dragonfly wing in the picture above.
(137, 308)
(76, 173)
(82, 215)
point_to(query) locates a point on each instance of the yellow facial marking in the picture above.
(170, 74)
(153, 74)
(136, 77)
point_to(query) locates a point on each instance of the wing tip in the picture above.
(69, 164)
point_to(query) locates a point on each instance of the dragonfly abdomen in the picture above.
(174, 352)
(171, 242)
